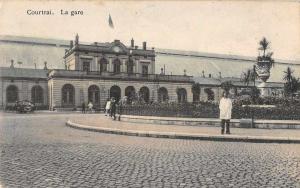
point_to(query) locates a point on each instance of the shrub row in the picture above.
(285, 109)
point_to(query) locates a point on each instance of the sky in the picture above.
(224, 27)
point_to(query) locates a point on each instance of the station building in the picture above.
(64, 74)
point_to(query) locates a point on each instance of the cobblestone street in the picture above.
(38, 150)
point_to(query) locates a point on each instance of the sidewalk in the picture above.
(101, 123)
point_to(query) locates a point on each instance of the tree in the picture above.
(288, 75)
(292, 84)
(265, 59)
(226, 86)
(249, 76)
(264, 45)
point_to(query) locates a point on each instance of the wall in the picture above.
(81, 88)
(24, 89)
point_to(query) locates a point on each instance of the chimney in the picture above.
(132, 43)
(209, 75)
(144, 45)
(71, 44)
(77, 39)
(45, 66)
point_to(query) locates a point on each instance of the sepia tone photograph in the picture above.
(136, 94)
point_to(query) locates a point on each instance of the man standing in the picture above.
(113, 108)
(107, 107)
(83, 108)
(90, 106)
(225, 112)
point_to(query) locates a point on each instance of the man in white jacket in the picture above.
(225, 112)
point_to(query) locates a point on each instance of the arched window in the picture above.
(130, 93)
(210, 94)
(12, 94)
(94, 94)
(117, 66)
(115, 91)
(68, 95)
(103, 64)
(144, 94)
(37, 94)
(196, 90)
(163, 94)
(181, 95)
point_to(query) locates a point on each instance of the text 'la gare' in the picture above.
(71, 13)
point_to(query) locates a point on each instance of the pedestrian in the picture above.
(113, 108)
(83, 108)
(107, 107)
(90, 106)
(225, 112)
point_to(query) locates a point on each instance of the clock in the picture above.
(116, 49)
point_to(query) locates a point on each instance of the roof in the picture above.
(37, 50)
(23, 73)
(207, 81)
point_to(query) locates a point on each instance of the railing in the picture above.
(121, 75)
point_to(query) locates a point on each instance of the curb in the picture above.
(213, 122)
(170, 135)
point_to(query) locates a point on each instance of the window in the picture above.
(116, 66)
(68, 95)
(144, 69)
(130, 66)
(93, 94)
(37, 94)
(103, 65)
(11, 94)
(86, 66)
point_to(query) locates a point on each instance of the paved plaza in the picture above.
(38, 150)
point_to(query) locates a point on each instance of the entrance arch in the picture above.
(115, 91)
(181, 95)
(163, 94)
(130, 93)
(68, 95)
(144, 94)
(94, 94)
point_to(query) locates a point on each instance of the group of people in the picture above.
(89, 109)
(225, 107)
(111, 108)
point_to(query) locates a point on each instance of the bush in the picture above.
(285, 109)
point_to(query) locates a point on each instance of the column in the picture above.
(137, 66)
(203, 95)
(123, 65)
(110, 67)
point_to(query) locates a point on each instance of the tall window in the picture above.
(130, 66)
(163, 95)
(145, 69)
(116, 66)
(86, 66)
(11, 94)
(181, 95)
(37, 94)
(94, 93)
(103, 65)
(144, 94)
(68, 95)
